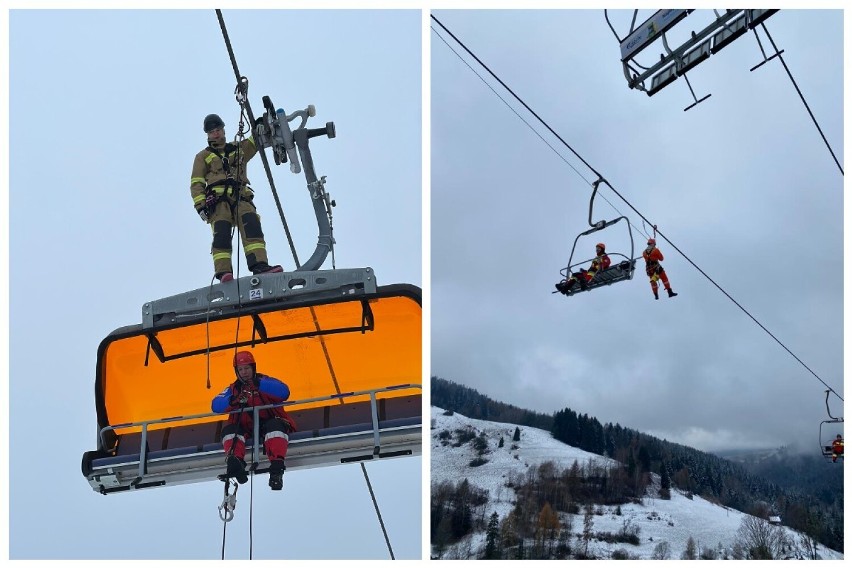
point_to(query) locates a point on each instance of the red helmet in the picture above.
(652, 241)
(243, 358)
(601, 246)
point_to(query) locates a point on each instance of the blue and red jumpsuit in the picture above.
(275, 423)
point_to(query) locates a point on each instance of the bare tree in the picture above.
(547, 530)
(588, 525)
(462, 550)
(662, 551)
(809, 545)
(761, 540)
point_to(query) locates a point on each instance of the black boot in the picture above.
(262, 267)
(656, 295)
(672, 293)
(276, 475)
(237, 468)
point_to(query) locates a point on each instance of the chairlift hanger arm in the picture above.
(828, 410)
(600, 225)
(274, 130)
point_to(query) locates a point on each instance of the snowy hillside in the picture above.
(658, 520)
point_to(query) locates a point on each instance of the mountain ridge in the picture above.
(643, 525)
(797, 490)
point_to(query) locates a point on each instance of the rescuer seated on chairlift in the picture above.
(837, 448)
(600, 262)
(254, 389)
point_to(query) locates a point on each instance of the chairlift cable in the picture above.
(247, 108)
(634, 209)
(801, 96)
(536, 132)
(261, 150)
(266, 167)
(378, 512)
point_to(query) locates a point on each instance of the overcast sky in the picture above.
(106, 113)
(742, 184)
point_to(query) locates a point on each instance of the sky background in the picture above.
(106, 113)
(742, 184)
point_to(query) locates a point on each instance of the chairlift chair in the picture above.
(348, 349)
(617, 271)
(825, 443)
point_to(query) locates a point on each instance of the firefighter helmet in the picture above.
(243, 358)
(212, 122)
(652, 241)
(601, 246)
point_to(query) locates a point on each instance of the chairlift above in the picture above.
(618, 271)
(349, 350)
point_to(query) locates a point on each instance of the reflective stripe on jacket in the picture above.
(208, 169)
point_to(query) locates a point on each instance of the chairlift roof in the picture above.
(319, 349)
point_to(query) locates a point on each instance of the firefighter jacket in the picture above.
(601, 262)
(260, 391)
(837, 446)
(218, 168)
(652, 257)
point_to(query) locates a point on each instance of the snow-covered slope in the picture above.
(672, 521)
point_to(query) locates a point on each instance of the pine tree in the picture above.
(500, 443)
(665, 481)
(665, 477)
(517, 436)
(691, 552)
(492, 538)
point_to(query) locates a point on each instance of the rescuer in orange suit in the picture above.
(654, 269)
(600, 262)
(254, 389)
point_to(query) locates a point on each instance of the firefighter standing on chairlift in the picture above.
(215, 190)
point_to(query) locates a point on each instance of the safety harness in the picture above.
(228, 183)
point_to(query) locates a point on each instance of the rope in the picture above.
(247, 108)
(260, 150)
(251, 514)
(634, 209)
(227, 502)
(378, 512)
(801, 96)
